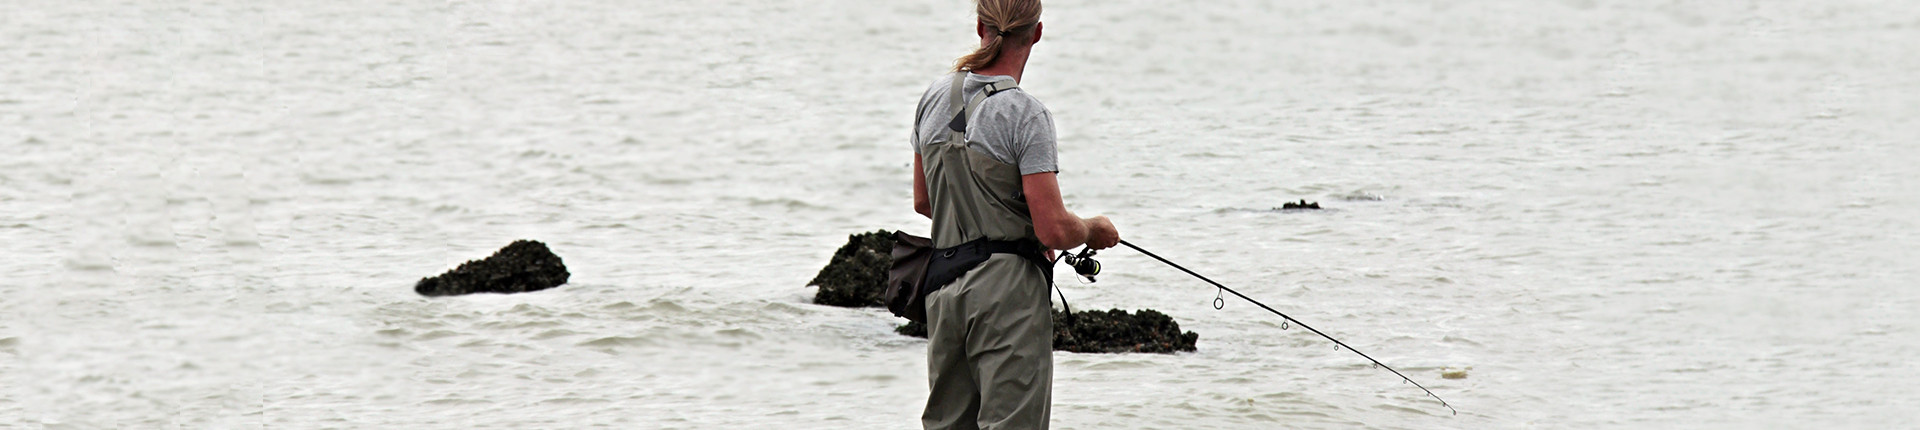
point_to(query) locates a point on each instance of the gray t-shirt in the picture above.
(1011, 126)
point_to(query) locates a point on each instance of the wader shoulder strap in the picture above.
(956, 103)
(962, 112)
(994, 87)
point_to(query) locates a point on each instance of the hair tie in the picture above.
(1003, 33)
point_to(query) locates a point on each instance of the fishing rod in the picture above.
(1086, 266)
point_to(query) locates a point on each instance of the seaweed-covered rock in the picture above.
(856, 276)
(912, 328)
(1302, 205)
(521, 266)
(1106, 332)
(1117, 331)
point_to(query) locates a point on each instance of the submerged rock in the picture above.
(856, 276)
(521, 266)
(1303, 204)
(912, 328)
(1111, 331)
(1117, 331)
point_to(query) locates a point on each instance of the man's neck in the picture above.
(1011, 64)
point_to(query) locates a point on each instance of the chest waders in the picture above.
(979, 206)
(989, 323)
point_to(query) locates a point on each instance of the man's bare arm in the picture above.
(1057, 227)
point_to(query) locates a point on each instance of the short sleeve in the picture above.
(1036, 151)
(913, 140)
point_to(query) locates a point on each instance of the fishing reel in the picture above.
(1083, 263)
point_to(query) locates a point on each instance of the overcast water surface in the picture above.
(1609, 214)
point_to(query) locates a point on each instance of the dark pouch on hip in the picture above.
(906, 293)
(920, 269)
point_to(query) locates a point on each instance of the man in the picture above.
(984, 171)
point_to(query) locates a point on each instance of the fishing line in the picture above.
(1068, 310)
(1219, 302)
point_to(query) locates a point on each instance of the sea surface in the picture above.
(1608, 214)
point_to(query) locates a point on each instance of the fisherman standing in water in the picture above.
(983, 170)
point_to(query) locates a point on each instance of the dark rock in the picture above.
(1117, 331)
(1111, 331)
(522, 266)
(912, 328)
(856, 276)
(1302, 204)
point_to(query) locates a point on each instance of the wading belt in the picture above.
(947, 264)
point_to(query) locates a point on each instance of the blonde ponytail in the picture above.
(1008, 19)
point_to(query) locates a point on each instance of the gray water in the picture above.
(1636, 214)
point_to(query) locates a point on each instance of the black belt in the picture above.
(948, 264)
